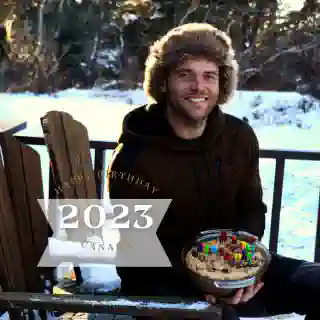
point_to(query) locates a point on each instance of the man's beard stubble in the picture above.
(178, 111)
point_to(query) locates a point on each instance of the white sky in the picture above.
(289, 5)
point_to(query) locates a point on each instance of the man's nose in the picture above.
(197, 84)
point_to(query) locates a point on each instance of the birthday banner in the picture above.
(122, 233)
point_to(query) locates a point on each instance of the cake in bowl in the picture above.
(221, 261)
(225, 259)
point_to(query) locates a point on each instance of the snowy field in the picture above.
(278, 123)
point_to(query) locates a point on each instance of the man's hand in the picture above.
(242, 296)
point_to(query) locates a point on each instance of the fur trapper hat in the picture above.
(192, 39)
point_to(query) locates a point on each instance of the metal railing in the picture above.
(280, 157)
(96, 305)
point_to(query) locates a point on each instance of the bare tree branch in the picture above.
(292, 50)
(193, 7)
(208, 11)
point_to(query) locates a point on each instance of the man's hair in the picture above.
(190, 40)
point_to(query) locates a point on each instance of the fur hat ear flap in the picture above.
(228, 81)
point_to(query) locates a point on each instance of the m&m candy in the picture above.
(228, 257)
(237, 256)
(213, 249)
(242, 244)
(204, 247)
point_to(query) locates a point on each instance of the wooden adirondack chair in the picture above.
(23, 226)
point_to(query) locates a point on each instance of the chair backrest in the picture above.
(69, 149)
(23, 226)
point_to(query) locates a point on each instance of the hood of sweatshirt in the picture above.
(147, 124)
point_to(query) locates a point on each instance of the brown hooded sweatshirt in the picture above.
(213, 180)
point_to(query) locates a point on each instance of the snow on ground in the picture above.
(278, 123)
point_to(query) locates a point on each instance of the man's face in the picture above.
(193, 89)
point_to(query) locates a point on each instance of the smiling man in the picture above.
(189, 95)
(207, 162)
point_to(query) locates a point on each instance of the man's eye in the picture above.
(212, 77)
(183, 74)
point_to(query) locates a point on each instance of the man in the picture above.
(183, 147)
